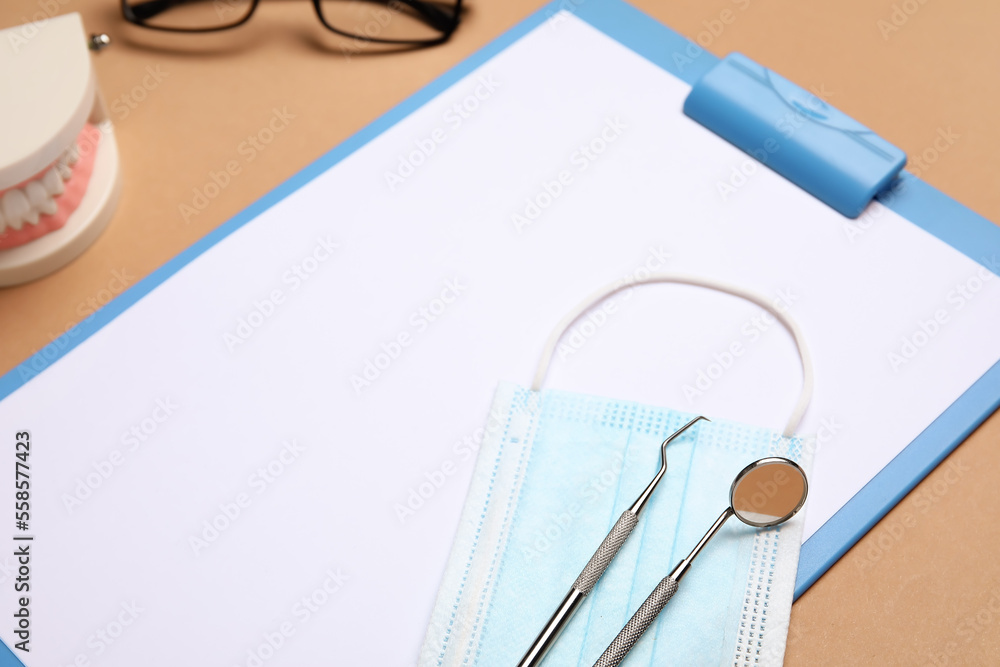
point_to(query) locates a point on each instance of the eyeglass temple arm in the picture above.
(150, 8)
(433, 15)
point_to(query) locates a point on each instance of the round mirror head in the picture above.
(768, 492)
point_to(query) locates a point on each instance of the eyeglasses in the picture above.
(383, 21)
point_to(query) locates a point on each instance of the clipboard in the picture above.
(922, 205)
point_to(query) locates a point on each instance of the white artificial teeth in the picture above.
(40, 199)
(49, 207)
(64, 171)
(53, 182)
(71, 155)
(16, 208)
(36, 194)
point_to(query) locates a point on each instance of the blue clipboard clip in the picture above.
(822, 150)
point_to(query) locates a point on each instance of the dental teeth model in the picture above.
(44, 203)
(59, 171)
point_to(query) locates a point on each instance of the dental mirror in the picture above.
(765, 493)
(768, 492)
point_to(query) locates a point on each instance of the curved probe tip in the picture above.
(663, 447)
(645, 495)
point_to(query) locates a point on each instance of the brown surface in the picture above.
(910, 590)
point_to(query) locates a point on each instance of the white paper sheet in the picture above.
(438, 261)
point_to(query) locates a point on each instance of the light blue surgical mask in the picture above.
(554, 474)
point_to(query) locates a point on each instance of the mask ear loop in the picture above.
(805, 395)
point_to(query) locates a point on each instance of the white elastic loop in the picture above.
(807, 368)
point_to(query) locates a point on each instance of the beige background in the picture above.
(923, 587)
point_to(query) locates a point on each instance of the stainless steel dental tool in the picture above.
(598, 563)
(765, 493)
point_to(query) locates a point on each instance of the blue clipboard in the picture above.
(923, 205)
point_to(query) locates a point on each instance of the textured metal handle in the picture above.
(637, 625)
(581, 588)
(605, 553)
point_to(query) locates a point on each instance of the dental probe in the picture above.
(598, 563)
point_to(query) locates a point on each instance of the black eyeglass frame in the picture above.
(446, 33)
